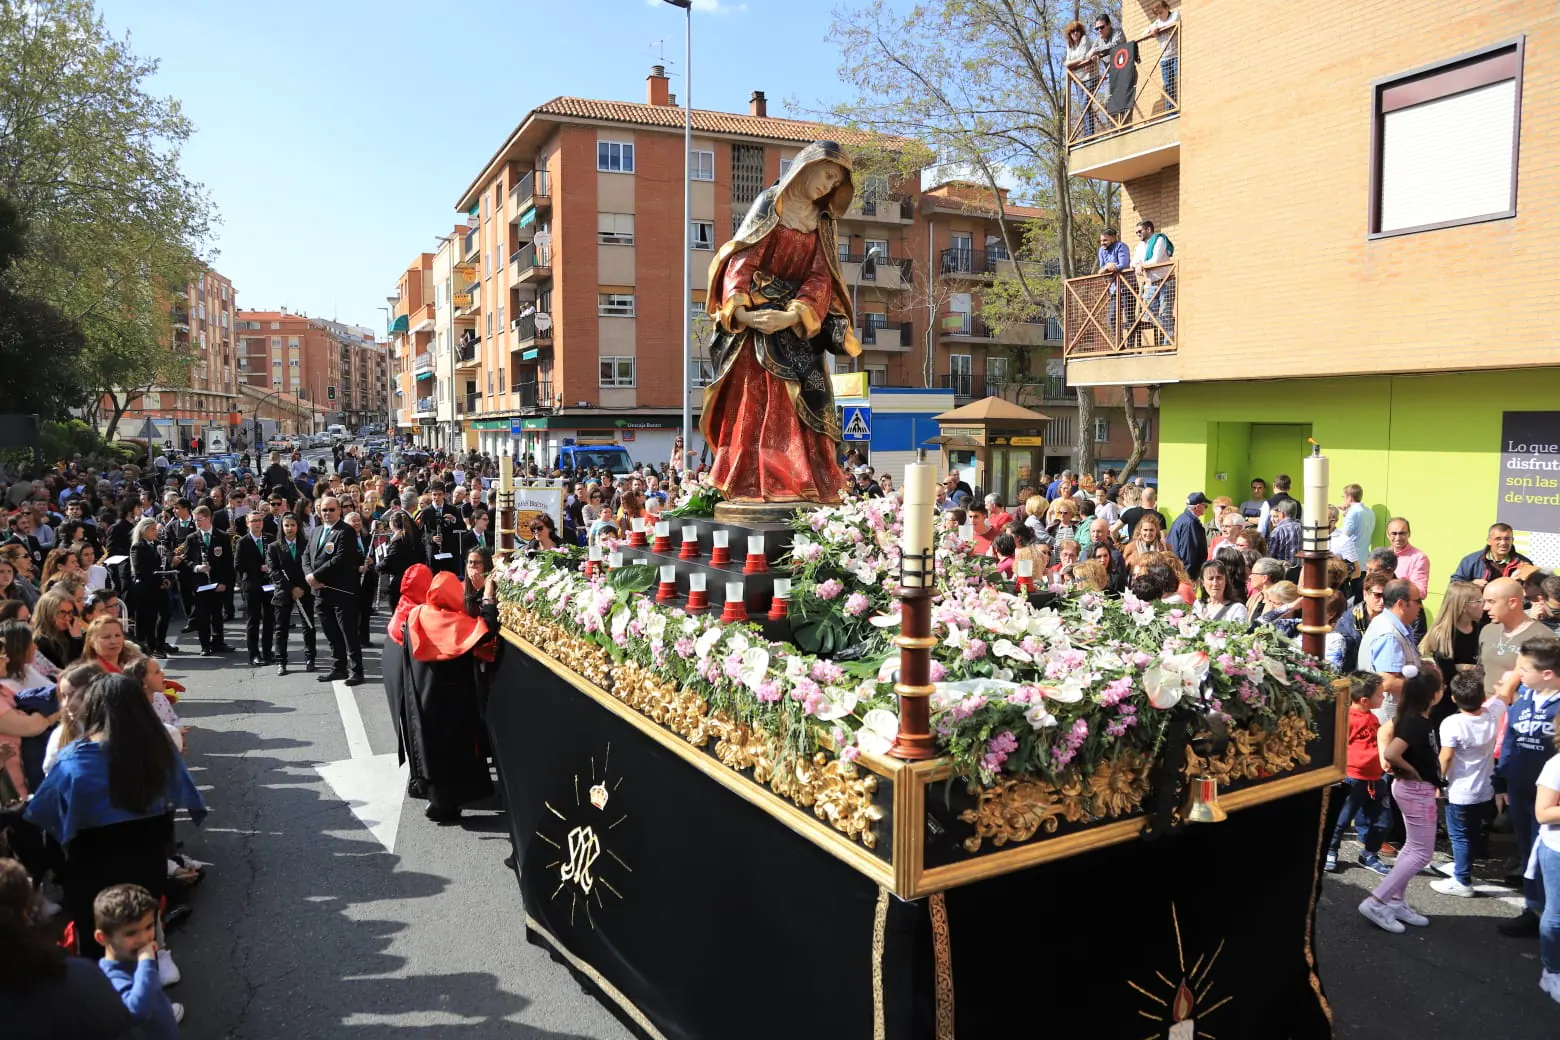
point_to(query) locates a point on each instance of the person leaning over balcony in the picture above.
(1115, 259)
(1082, 64)
(1498, 559)
(1164, 28)
(1154, 279)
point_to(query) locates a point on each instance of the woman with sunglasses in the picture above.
(544, 535)
(57, 628)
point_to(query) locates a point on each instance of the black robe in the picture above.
(441, 727)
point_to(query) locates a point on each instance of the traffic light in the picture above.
(330, 393)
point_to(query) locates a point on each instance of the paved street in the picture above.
(307, 927)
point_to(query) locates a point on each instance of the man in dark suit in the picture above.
(208, 554)
(254, 573)
(177, 528)
(332, 572)
(368, 577)
(22, 534)
(441, 526)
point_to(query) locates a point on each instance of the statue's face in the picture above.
(823, 178)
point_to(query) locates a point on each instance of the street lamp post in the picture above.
(687, 290)
(868, 264)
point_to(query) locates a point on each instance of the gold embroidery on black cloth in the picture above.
(942, 966)
(879, 936)
(1183, 1001)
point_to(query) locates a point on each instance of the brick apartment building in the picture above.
(1358, 233)
(202, 318)
(340, 368)
(552, 313)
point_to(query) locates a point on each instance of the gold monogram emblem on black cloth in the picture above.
(585, 862)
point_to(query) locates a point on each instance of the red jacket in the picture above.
(1364, 754)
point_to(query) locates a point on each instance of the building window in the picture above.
(617, 371)
(785, 168)
(1444, 144)
(1101, 431)
(614, 157)
(276, 362)
(276, 341)
(701, 165)
(293, 363)
(275, 325)
(701, 234)
(292, 342)
(615, 305)
(615, 229)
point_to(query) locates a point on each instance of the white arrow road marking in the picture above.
(373, 786)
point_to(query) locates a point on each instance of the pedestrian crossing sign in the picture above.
(857, 423)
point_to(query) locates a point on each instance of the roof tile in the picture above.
(704, 121)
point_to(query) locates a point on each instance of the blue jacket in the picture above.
(74, 796)
(1528, 744)
(140, 988)
(1189, 540)
(39, 700)
(1476, 567)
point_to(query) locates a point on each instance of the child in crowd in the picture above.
(1416, 778)
(1367, 804)
(125, 922)
(1468, 763)
(1528, 745)
(1547, 812)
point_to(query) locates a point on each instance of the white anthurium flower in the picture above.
(1038, 717)
(655, 626)
(1004, 674)
(866, 573)
(706, 642)
(795, 667)
(991, 689)
(737, 641)
(1107, 661)
(1010, 649)
(1275, 669)
(755, 666)
(885, 621)
(1172, 678)
(1047, 625)
(1092, 615)
(887, 669)
(1069, 692)
(690, 625)
(956, 637)
(620, 619)
(839, 702)
(879, 727)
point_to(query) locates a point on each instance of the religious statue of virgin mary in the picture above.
(779, 303)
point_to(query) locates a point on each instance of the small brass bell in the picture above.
(1203, 805)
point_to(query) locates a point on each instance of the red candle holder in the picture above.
(698, 598)
(1023, 584)
(636, 534)
(663, 537)
(667, 591)
(780, 604)
(720, 552)
(735, 608)
(756, 562)
(690, 546)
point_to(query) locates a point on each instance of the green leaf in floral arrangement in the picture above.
(633, 578)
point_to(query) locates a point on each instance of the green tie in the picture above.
(292, 549)
(324, 534)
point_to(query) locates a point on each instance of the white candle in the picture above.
(920, 480)
(506, 473)
(668, 574)
(696, 581)
(663, 528)
(755, 545)
(595, 554)
(639, 524)
(734, 591)
(1024, 568)
(690, 534)
(615, 560)
(720, 539)
(1314, 511)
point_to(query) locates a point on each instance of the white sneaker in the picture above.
(1452, 887)
(1408, 915)
(1381, 915)
(1549, 982)
(167, 971)
(178, 1012)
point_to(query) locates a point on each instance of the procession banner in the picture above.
(1530, 483)
(532, 500)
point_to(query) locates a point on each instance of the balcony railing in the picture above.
(527, 334)
(880, 268)
(534, 393)
(972, 326)
(961, 383)
(979, 263)
(466, 351)
(894, 210)
(422, 363)
(887, 336)
(1155, 96)
(1119, 314)
(472, 401)
(529, 191)
(529, 262)
(471, 244)
(426, 404)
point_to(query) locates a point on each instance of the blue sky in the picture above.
(335, 135)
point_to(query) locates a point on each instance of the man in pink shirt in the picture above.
(1412, 563)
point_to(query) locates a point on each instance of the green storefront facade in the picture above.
(1427, 447)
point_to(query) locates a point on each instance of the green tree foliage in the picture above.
(34, 337)
(981, 85)
(91, 161)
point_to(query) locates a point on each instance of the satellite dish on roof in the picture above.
(543, 239)
(543, 321)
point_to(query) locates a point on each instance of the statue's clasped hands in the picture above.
(770, 321)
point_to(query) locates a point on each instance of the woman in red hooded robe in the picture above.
(443, 648)
(414, 583)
